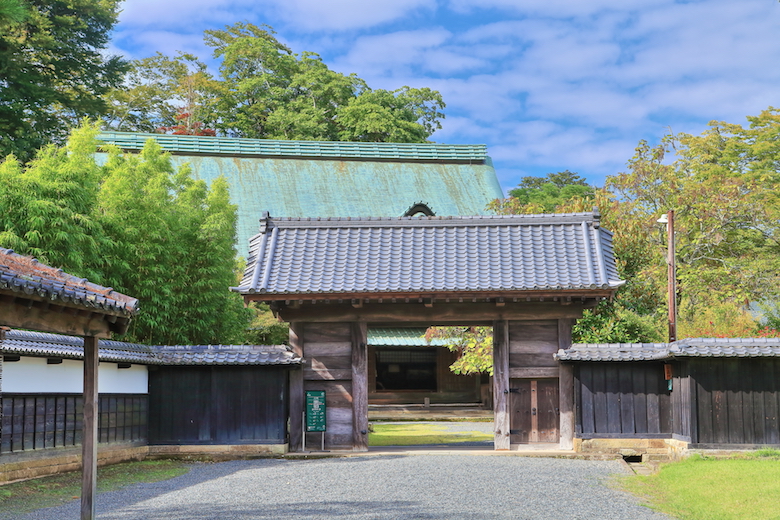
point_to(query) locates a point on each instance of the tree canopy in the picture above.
(53, 69)
(266, 91)
(134, 224)
(723, 186)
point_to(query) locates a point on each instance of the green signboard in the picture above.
(315, 411)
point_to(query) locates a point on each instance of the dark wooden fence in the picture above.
(737, 400)
(218, 405)
(37, 421)
(622, 400)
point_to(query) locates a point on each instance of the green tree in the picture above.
(134, 224)
(544, 194)
(53, 69)
(174, 250)
(266, 91)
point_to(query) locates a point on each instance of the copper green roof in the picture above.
(402, 337)
(184, 144)
(331, 179)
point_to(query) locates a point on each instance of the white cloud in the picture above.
(346, 14)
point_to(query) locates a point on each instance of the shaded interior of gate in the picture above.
(527, 380)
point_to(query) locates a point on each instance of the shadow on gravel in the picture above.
(301, 510)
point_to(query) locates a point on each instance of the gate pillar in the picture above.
(359, 386)
(501, 384)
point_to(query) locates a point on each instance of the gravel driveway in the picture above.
(383, 487)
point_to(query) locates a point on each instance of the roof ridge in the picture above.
(278, 147)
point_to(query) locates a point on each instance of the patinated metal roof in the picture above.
(495, 254)
(72, 347)
(690, 347)
(27, 276)
(331, 179)
(402, 337)
(183, 144)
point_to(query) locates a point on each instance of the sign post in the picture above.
(315, 413)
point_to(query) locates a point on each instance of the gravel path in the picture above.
(446, 487)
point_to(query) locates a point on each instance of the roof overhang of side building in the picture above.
(36, 296)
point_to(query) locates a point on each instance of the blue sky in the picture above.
(548, 85)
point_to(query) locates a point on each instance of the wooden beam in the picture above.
(535, 295)
(501, 384)
(439, 314)
(90, 432)
(566, 388)
(533, 372)
(297, 401)
(359, 386)
(31, 314)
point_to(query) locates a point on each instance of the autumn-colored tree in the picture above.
(722, 185)
(474, 346)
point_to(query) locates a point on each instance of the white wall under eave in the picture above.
(34, 375)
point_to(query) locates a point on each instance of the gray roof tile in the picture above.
(72, 347)
(690, 347)
(430, 254)
(25, 275)
(726, 347)
(614, 352)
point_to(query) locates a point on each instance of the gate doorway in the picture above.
(535, 410)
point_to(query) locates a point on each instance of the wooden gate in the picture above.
(534, 410)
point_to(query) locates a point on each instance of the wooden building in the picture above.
(148, 395)
(527, 276)
(690, 394)
(405, 368)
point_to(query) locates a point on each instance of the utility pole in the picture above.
(671, 273)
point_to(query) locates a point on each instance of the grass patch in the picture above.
(743, 487)
(415, 434)
(29, 495)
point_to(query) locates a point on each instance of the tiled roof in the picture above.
(614, 352)
(726, 347)
(278, 148)
(690, 347)
(227, 355)
(430, 255)
(72, 347)
(25, 275)
(402, 337)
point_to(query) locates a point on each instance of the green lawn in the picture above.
(420, 434)
(746, 487)
(28, 495)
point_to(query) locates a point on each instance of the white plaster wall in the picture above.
(33, 374)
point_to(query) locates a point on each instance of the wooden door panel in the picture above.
(534, 410)
(520, 411)
(548, 410)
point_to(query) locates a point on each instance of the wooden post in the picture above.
(89, 437)
(501, 384)
(566, 388)
(296, 390)
(671, 277)
(359, 386)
